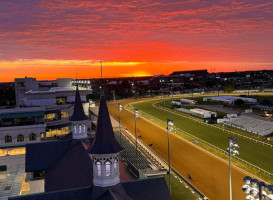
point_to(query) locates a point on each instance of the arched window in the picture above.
(80, 128)
(32, 137)
(116, 165)
(75, 129)
(20, 138)
(84, 128)
(107, 168)
(8, 139)
(98, 164)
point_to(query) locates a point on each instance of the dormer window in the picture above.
(80, 128)
(107, 168)
(98, 164)
(116, 165)
(84, 128)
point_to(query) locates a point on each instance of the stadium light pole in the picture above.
(253, 187)
(169, 129)
(172, 88)
(248, 76)
(136, 116)
(191, 79)
(119, 110)
(232, 146)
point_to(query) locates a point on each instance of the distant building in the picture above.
(30, 92)
(200, 72)
(202, 113)
(230, 99)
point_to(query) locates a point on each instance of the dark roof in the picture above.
(75, 194)
(144, 189)
(78, 113)
(40, 156)
(73, 170)
(105, 141)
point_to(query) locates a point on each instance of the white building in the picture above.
(229, 99)
(203, 113)
(188, 101)
(30, 92)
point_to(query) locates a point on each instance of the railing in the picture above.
(207, 143)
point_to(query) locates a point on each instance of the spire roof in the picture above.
(105, 142)
(78, 113)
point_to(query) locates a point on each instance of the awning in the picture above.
(58, 126)
(22, 114)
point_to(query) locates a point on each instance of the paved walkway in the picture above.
(11, 183)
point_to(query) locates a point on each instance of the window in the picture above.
(8, 139)
(98, 164)
(116, 165)
(32, 137)
(75, 129)
(20, 138)
(84, 128)
(64, 114)
(108, 168)
(80, 128)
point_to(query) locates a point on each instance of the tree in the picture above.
(229, 88)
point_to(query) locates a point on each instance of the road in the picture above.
(209, 173)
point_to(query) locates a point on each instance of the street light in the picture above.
(191, 79)
(136, 116)
(169, 128)
(253, 187)
(172, 88)
(232, 146)
(248, 76)
(120, 109)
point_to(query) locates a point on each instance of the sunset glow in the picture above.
(51, 39)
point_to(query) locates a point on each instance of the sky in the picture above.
(50, 39)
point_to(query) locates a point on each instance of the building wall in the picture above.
(14, 131)
(29, 84)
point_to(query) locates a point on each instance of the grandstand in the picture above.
(144, 161)
(256, 126)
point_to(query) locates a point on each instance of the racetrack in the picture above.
(209, 173)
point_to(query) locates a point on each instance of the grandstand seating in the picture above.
(256, 126)
(140, 161)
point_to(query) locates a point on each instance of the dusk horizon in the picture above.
(48, 40)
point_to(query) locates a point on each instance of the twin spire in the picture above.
(104, 142)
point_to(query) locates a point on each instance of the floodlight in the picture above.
(236, 146)
(136, 113)
(247, 179)
(246, 189)
(269, 197)
(254, 192)
(120, 107)
(254, 182)
(249, 197)
(235, 152)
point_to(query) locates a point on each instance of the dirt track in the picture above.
(209, 173)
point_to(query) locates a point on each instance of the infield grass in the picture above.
(179, 190)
